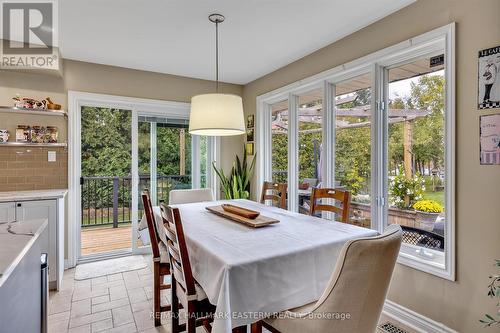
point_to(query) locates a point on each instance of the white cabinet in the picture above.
(53, 211)
(43, 209)
(7, 211)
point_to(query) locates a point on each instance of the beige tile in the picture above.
(102, 325)
(80, 329)
(99, 280)
(144, 305)
(117, 293)
(127, 328)
(110, 305)
(137, 295)
(115, 277)
(91, 318)
(80, 308)
(60, 296)
(61, 316)
(78, 296)
(143, 320)
(144, 271)
(159, 329)
(58, 326)
(61, 305)
(100, 299)
(122, 315)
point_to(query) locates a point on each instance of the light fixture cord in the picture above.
(217, 55)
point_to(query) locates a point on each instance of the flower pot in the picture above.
(425, 220)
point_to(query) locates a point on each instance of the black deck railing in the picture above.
(108, 200)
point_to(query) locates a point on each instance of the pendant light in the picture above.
(216, 114)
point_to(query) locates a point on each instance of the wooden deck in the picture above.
(100, 240)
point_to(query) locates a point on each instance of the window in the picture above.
(416, 165)
(353, 145)
(310, 121)
(279, 133)
(384, 125)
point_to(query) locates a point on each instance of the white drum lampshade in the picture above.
(216, 115)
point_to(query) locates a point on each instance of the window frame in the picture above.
(377, 64)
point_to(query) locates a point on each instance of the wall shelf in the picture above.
(33, 144)
(46, 112)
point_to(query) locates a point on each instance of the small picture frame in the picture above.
(489, 139)
(250, 135)
(250, 121)
(488, 92)
(249, 148)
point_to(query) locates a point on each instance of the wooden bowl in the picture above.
(240, 211)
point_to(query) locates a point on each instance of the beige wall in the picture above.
(458, 304)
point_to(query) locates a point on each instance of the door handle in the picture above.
(19, 204)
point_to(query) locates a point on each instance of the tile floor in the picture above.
(114, 303)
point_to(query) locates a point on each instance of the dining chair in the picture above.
(335, 195)
(185, 290)
(358, 287)
(161, 262)
(277, 193)
(177, 197)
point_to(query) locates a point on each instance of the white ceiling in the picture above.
(175, 36)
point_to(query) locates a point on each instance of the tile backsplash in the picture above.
(27, 168)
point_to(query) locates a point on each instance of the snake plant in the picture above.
(237, 184)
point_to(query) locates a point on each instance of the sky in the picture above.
(403, 88)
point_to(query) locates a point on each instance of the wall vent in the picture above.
(390, 328)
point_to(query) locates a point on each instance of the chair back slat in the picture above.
(153, 233)
(278, 193)
(179, 274)
(336, 195)
(178, 252)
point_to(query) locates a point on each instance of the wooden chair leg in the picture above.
(174, 306)
(191, 319)
(240, 329)
(156, 294)
(256, 327)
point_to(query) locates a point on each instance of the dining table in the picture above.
(250, 273)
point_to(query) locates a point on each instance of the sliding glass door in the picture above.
(169, 158)
(125, 146)
(105, 181)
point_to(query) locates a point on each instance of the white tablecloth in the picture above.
(271, 269)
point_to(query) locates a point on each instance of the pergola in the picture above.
(314, 115)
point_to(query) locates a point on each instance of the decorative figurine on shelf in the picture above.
(4, 135)
(51, 105)
(29, 103)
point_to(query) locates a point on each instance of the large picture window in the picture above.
(381, 128)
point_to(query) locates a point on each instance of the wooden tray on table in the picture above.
(257, 222)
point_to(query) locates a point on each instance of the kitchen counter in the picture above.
(16, 239)
(32, 195)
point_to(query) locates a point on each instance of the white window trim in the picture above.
(376, 63)
(138, 106)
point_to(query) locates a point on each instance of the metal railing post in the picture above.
(115, 202)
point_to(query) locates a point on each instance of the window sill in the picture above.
(426, 260)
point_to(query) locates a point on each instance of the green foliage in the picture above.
(405, 191)
(237, 184)
(106, 142)
(494, 293)
(428, 206)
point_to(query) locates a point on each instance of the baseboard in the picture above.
(413, 319)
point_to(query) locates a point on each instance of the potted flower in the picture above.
(427, 212)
